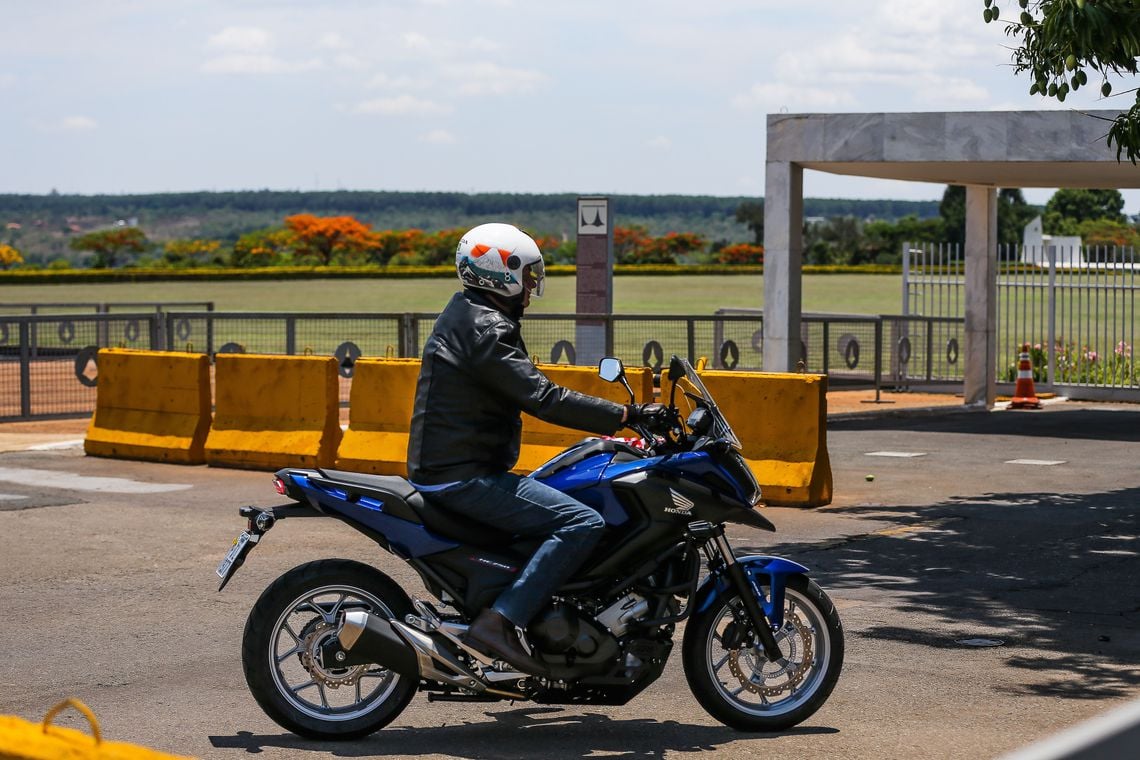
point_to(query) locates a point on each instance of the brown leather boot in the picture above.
(493, 634)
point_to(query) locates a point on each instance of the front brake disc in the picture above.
(755, 662)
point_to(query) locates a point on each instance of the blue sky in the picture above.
(589, 96)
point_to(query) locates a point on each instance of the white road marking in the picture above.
(1039, 462)
(57, 445)
(75, 482)
(11, 497)
(898, 454)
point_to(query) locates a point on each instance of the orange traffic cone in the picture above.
(1024, 396)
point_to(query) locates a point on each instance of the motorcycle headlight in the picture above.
(743, 476)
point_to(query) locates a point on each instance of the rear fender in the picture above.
(772, 572)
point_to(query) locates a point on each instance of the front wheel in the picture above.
(281, 647)
(735, 682)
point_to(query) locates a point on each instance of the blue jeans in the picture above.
(529, 509)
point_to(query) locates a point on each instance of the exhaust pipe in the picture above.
(365, 639)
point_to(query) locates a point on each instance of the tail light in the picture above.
(279, 486)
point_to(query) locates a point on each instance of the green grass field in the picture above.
(699, 295)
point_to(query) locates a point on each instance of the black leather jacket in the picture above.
(475, 380)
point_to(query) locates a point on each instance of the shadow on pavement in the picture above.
(1052, 573)
(1084, 423)
(549, 732)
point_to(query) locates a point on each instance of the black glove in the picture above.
(646, 414)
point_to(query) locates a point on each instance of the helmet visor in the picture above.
(534, 278)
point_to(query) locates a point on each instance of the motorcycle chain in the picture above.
(795, 675)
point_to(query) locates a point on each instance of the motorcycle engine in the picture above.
(561, 629)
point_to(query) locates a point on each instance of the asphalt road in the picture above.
(110, 596)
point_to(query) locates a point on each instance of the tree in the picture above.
(882, 241)
(323, 238)
(1096, 233)
(752, 214)
(1060, 42)
(628, 240)
(1013, 214)
(952, 209)
(9, 256)
(262, 248)
(1079, 205)
(191, 253)
(109, 245)
(740, 253)
(667, 248)
(1012, 211)
(833, 241)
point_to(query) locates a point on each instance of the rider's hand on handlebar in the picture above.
(650, 415)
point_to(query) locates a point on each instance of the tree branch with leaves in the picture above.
(1061, 42)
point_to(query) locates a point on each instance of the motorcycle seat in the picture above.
(409, 504)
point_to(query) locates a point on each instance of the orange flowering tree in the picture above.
(329, 237)
(666, 249)
(740, 253)
(628, 241)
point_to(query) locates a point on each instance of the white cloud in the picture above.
(416, 41)
(258, 64)
(661, 142)
(350, 61)
(333, 41)
(383, 81)
(483, 45)
(7, 80)
(778, 96)
(77, 124)
(401, 105)
(438, 137)
(486, 78)
(241, 39)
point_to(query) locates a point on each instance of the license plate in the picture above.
(233, 554)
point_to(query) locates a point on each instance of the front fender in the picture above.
(760, 570)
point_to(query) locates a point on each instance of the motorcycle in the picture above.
(335, 649)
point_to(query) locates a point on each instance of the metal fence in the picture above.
(101, 307)
(1075, 307)
(48, 363)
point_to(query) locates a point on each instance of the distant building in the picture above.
(1036, 245)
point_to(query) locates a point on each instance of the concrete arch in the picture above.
(982, 150)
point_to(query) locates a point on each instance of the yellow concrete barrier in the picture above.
(150, 405)
(781, 420)
(542, 440)
(274, 411)
(23, 740)
(379, 414)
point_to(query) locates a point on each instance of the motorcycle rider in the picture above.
(475, 380)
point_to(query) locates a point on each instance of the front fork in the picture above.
(722, 551)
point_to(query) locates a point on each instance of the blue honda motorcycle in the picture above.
(335, 649)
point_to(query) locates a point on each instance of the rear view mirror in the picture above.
(676, 369)
(610, 369)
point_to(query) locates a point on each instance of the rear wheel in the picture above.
(738, 685)
(280, 651)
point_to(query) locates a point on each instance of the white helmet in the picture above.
(498, 257)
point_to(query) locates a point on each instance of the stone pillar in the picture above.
(783, 265)
(980, 386)
(595, 269)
